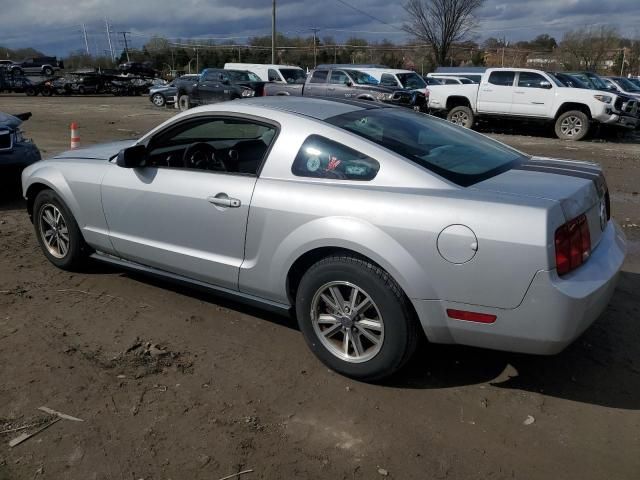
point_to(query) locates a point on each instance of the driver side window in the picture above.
(229, 145)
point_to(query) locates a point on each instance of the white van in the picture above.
(271, 73)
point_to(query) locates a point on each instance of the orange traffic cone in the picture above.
(75, 136)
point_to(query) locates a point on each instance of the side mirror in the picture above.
(349, 83)
(545, 84)
(132, 157)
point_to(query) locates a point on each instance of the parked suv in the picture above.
(519, 93)
(40, 65)
(217, 85)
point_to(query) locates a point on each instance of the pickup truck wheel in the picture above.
(462, 116)
(355, 318)
(48, 71)
(572, 125)
(17, 72)
(183, 103)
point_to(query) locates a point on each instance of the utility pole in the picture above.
(86, 42)
(504, 44)
(273, 32)
(315, 55)
(126, 45)
(624, 58)
(106, 22)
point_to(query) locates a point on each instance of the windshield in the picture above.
(627, 85)
(411, 80)
(361, 78)
(293, 75)
(635, 81)
(455, 153)
(237, 76)
(594, 80)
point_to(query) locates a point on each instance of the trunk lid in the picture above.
(579, 187)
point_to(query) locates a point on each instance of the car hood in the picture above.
(577, 186)
(9, 121)
(103, 151)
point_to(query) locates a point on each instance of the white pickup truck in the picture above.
(526, 94)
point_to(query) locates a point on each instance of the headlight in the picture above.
(248, 93)
(18, 137)
(384, 96)
(603, 98)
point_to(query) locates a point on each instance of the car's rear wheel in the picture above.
(57, 232)
(183, 103)
(355, 318)
(462, 116)
(47, 71)
(158, 100)
(572, 125)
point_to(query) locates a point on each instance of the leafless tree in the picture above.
(588, 48)
(441, 23)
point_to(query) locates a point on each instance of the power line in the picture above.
(363, 12)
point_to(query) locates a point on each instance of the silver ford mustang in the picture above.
(375, 224)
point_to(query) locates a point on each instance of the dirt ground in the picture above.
(176, 384)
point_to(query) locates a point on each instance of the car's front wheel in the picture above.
(355, 318)
(57, 232)
(48, 71)
(158, 100)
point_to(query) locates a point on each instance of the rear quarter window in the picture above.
(320, 157)
(502, 78)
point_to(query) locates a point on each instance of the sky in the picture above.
(55, 26)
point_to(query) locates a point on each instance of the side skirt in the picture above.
(280, 308)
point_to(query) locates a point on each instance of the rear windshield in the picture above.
(455, 153)
(293, 75)
(240, 76)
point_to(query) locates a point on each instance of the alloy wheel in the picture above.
(347, 321)
(571, 126)
(460, 118)
(54, 231)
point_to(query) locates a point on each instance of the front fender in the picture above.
(51, 177)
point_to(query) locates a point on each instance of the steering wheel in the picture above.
(202, 156)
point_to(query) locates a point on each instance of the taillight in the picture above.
(573, 244)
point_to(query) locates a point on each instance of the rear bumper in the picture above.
(553, 312)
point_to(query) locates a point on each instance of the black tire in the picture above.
(400, 327)
(462, 116)
(17, 72)
(77, 252)
(48, 71)
(572, 125)
(183, 102)
(81, 90)
(47, 92)
(158, 100)
(30, 92)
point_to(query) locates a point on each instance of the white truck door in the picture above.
(495, 94)
(533, 95)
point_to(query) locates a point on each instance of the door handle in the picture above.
(331, 88)
(223, 200)
(520, 92)
(487, 90)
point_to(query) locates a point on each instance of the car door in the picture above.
(533, 95)
(210, 88)
(339, 85)
(186, 217)
(495, 94)
(317, 84)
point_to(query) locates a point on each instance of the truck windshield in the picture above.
(458, 154)
(361, 78)
(627, 85)
(411, 80)
(242, 76)
(293, 75)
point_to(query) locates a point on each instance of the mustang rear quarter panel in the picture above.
(395, 220)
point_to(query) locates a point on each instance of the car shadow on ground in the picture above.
(602, 367)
